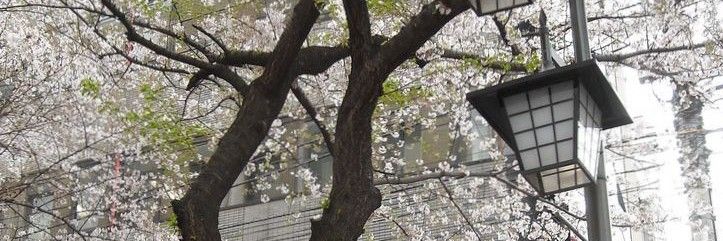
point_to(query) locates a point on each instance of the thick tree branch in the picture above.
(198, 210)
(625, 56)
(311, 60)
(618, 17)
(415, 33)
(429, 176)
(134, 36)
(314, 60)
(221, 71)
(484, 61)
(357, 17)
(118, 51)
(241, 58)
(566, 27)
(617, 58)
(185, 39)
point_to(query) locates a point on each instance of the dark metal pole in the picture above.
(596, 204)
(596, 198)
(545, 45)
(578, 20)
(710, 199)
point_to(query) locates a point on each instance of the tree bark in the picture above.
(353, 197)
(197, 211)
(688, 123)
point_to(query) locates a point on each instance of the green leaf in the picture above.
(172, 222)
(396, 95)
(324, 202)
(90, 87)
(385, 7)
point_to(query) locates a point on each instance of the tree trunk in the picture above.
(353, 197)
(688, 123)
(198, 210)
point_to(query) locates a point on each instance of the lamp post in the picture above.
(552, 120)
(596, 198)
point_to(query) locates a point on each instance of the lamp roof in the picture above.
(488, 102)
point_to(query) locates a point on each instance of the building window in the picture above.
(270, 180)
(86, 215)
(40, 222)
(319, 163)
(474, 149)
(426, 147)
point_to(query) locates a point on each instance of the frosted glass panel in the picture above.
(562, 91)
(543, 129)
(521, 122)
(488, 6)
(567, 179)
(542, 116)
(562, 110)
(530, 163)
(581, 177)
(544, 135)
(563, 130)
(530, 159)
(539, 97)
(588, 132)
(564, 151)
(547, 155)
(595, 142)
(525, 140)
(516, 103)
(505, 3)
(549, 183)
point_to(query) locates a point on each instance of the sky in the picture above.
(643, 101)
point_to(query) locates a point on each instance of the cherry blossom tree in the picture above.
(144, 82)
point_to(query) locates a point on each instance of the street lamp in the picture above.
(484, 7)
(552, 120)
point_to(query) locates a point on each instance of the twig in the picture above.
(213, 38)
(395, 223)
(568, 225)
(451, 198)
(503, 34)
(311, 111)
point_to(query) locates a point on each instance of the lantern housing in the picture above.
(484, 7)
(552, 120)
